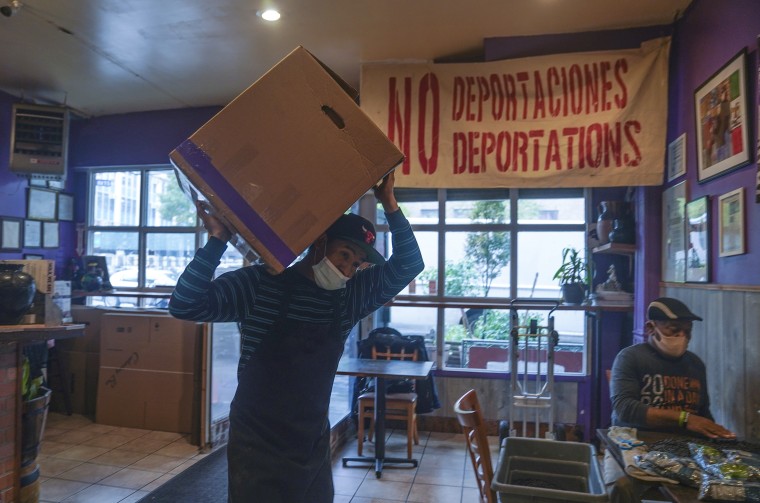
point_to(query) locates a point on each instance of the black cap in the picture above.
(359, 231)
(668, 309)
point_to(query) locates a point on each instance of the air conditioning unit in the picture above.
(39, 141)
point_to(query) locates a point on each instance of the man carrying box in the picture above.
(293, 328)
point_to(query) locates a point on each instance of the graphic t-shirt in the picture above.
(642, 378)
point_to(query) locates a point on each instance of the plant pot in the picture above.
(33, 420)
(573, 293)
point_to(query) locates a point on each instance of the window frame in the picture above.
(141, 229)
(440, 301)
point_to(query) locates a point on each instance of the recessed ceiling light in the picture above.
(269, 15)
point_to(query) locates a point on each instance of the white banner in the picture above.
(595, 119)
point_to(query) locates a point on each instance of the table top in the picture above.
(366, 367)
(677, 492)
(39, 332)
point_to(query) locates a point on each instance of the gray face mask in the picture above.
(328, 276)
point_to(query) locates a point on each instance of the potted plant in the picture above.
(36, 400)
(573, 276)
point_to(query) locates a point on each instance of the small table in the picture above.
(381, 370)
(676, 492)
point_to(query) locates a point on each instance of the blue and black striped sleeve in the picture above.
(198, 297)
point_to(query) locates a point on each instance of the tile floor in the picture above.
(83, 462)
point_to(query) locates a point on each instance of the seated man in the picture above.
(659, 385)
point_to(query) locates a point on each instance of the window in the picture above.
(482, 249)
(144, 226)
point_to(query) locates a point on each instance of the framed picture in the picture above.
(698, 240)
(33, 256)
(32, 234)
(731, 223)
(11, 231)
(50, 234)
(41, 204)
(55, 184)
(65, 206)
(674, 233)
(722, 123)
(677, 158)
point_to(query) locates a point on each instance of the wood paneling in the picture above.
(728, 340)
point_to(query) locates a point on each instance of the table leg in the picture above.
(380, 459)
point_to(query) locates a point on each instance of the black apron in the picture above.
(279, 445)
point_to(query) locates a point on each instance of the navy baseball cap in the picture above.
(359, 231)
(669, 309)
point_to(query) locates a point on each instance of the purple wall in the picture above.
(115, 140)
(709, 36)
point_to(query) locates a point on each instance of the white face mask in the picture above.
(328, 276)
(673, 347)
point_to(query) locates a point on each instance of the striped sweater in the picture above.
(252, 297)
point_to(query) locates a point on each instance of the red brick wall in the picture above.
(8, 414)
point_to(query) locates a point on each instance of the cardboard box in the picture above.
(150, 400)
(285, 159)
(148, 342)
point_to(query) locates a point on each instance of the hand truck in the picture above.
(531, 357)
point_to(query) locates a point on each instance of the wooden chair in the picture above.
(398, 406)
(469, 415)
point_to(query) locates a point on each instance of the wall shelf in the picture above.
(615, 248)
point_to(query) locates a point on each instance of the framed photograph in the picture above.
(11, 232)
(674, 233)
(33, 256)
(32, 234)
(698, 240)
(50, 234)
(65, 206)
(731, 223)
(722, 122)
(41, 204)
(677, 158)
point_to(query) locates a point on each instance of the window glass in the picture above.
(551, 211)
(167, 204)
(121, 252)
(116, 198)
(487, 211)
(425, 283)
(543, 256)
(477, 264)
(167, 255)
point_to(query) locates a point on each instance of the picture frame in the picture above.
(42, 204)
(65, 206)
(33, 256)
(32, 234)
(677, 158)
(731, 240)
(50, 235)
(674, 233)
(11, 233)
(721, 120)
(698, 227)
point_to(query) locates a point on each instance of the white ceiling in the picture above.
(114, 56)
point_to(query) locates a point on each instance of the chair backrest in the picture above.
(470, 416)
(387, 354)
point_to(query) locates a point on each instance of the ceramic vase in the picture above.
(17, 290)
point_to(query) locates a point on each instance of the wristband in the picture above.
(683, 418)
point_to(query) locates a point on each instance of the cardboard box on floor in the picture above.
(146, 399)
(147, 371)
(148, 342)
(285, 159)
